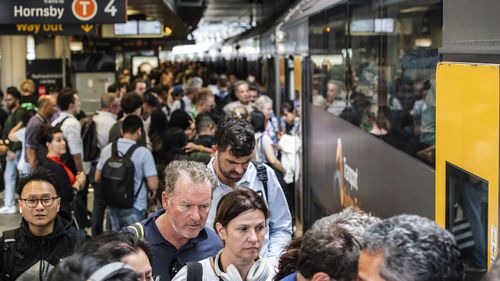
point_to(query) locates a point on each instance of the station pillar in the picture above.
(13, 61)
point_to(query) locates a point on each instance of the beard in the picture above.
(227, 174)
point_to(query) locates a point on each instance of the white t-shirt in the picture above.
(261, 141)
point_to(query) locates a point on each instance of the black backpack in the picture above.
(118, 179)
(89, 138)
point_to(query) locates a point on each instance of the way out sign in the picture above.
(63, 11)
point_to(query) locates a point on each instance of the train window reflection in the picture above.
(467, 216)
(377, 69)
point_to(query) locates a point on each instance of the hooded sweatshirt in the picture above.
(33, 256)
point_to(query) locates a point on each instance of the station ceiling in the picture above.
(184, 16)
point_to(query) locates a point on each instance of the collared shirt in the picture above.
(165, 255)
(104, 121)
(279, 224)
(72, 132)
(144, 167)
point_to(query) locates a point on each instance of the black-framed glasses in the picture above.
(33, 202)
(174, 268)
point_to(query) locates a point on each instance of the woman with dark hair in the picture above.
(156, 132)
(53, 139)
(240, 222)
(264, 150)
(173, 146)
(81, 268)
(183, 120)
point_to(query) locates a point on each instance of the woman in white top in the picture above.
(264, 148)
(240, 222)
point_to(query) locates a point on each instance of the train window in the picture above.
(467, 215)
(374, 66)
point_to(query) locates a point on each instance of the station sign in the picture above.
(49, 28)
(46, 73)
(63, 11)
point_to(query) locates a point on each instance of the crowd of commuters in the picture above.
(207, 192)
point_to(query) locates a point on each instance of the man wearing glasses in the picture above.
(44, 236)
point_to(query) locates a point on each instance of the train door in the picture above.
(467, 158)
(292, 124)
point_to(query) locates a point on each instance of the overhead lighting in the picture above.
(76, 46)
(132, 11)
(414, 9)
(167, 31)
(423, 42)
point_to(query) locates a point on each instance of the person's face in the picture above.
(289, 117)
(208, 105)
(267, 109)
(10, 101)
(141, 264)
(39, 216)
(243, 235)
(369, 266)
(140, 88)
(78, 105)
(51, 107)
(252, 95)
(115, 106)
(331, 91)
(242, 93)
(190, 132)
(58, 145)
(231, 167)
(188, 206)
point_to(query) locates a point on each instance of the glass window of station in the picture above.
(374, 65)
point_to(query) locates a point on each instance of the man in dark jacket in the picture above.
(44, 237)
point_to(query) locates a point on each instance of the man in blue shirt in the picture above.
(144, 168)
(177, 234)
(234, 149)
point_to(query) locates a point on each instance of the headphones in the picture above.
(107, 271)
(258, 272)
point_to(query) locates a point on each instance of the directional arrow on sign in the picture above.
(87, 27)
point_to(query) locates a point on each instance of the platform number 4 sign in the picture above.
(86, 10)
(110, 8)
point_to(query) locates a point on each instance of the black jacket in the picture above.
(33, 256)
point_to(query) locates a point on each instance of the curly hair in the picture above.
(414, 248)
(237, 134)
(333, 244)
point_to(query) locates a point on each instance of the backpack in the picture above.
(67, 158)
(91, 151)
(118, 179)
(9, 257)
(195, 271)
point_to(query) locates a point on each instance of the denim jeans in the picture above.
(475, 209)
(10, 178)
(121, 218)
